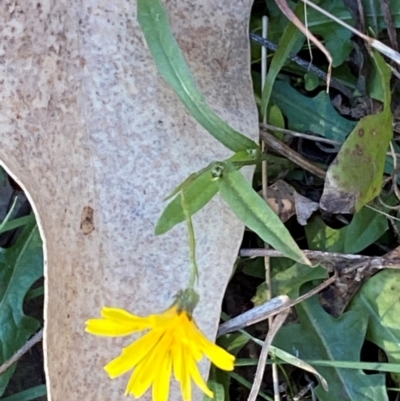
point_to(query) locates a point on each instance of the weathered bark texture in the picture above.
(97, 139)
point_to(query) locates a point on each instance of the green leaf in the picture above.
(377, 366)
(197, 194)
(379, 300)
(320, 25)
(355, 176)
(289, 282)
(366, 227)
(333, 33)
(11, 225)
(320, 336)
(311, 81)
(171, 65)
(275, 118)
(254, 211)
(198, 190)
(314, 114)
(20, 266)
(374, 16)
(278, 355)
(217, 389)
(28, 395)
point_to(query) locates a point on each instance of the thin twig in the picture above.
(376, 44)
(361, 16)
(271, 308)
(300, 134)
(333, 258)
(313, 138)
(284, 7)
(304, 64)
(273, 329)
(293, 156)
(23, 350)
(391, 30)
(264, 186)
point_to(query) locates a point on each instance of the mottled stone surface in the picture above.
(97, 139)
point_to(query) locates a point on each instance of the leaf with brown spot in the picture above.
(355, 176)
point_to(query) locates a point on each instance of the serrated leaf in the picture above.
(320, 336)
(379, 300)
(314, 114)
(355, 176)
(20, 266)
(254, 212)
(171, 65)
(198, 190)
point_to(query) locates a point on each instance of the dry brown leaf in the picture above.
(97, 139)
(286, 202)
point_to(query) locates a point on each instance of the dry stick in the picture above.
(389, 24)
(273, 329)
(293, 156)
(361, 14)
(304, 64)
(313, 137)
(283, 6)
(299, 396)
(270, 308)
(278, 321)
(300, 134)
(23, 350)
(376, 44)
(264, 186)
(375, 262)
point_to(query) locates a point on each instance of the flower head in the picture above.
(173, 344)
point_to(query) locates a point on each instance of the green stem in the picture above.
(194, 273)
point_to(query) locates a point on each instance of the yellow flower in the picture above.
(173, 343)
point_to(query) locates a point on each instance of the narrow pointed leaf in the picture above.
(254, 211)
(198, 190)
(171, 64)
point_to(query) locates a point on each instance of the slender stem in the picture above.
(264, 182)
(194, 272)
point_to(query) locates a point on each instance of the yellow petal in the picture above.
(218, 356)
(148, 368)
(177, 360)
(132, 354)
(165, 319)
(186, 383)
(162, 381)
(116, 322)
(106, 328)
(196, 376)
(121, 315)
